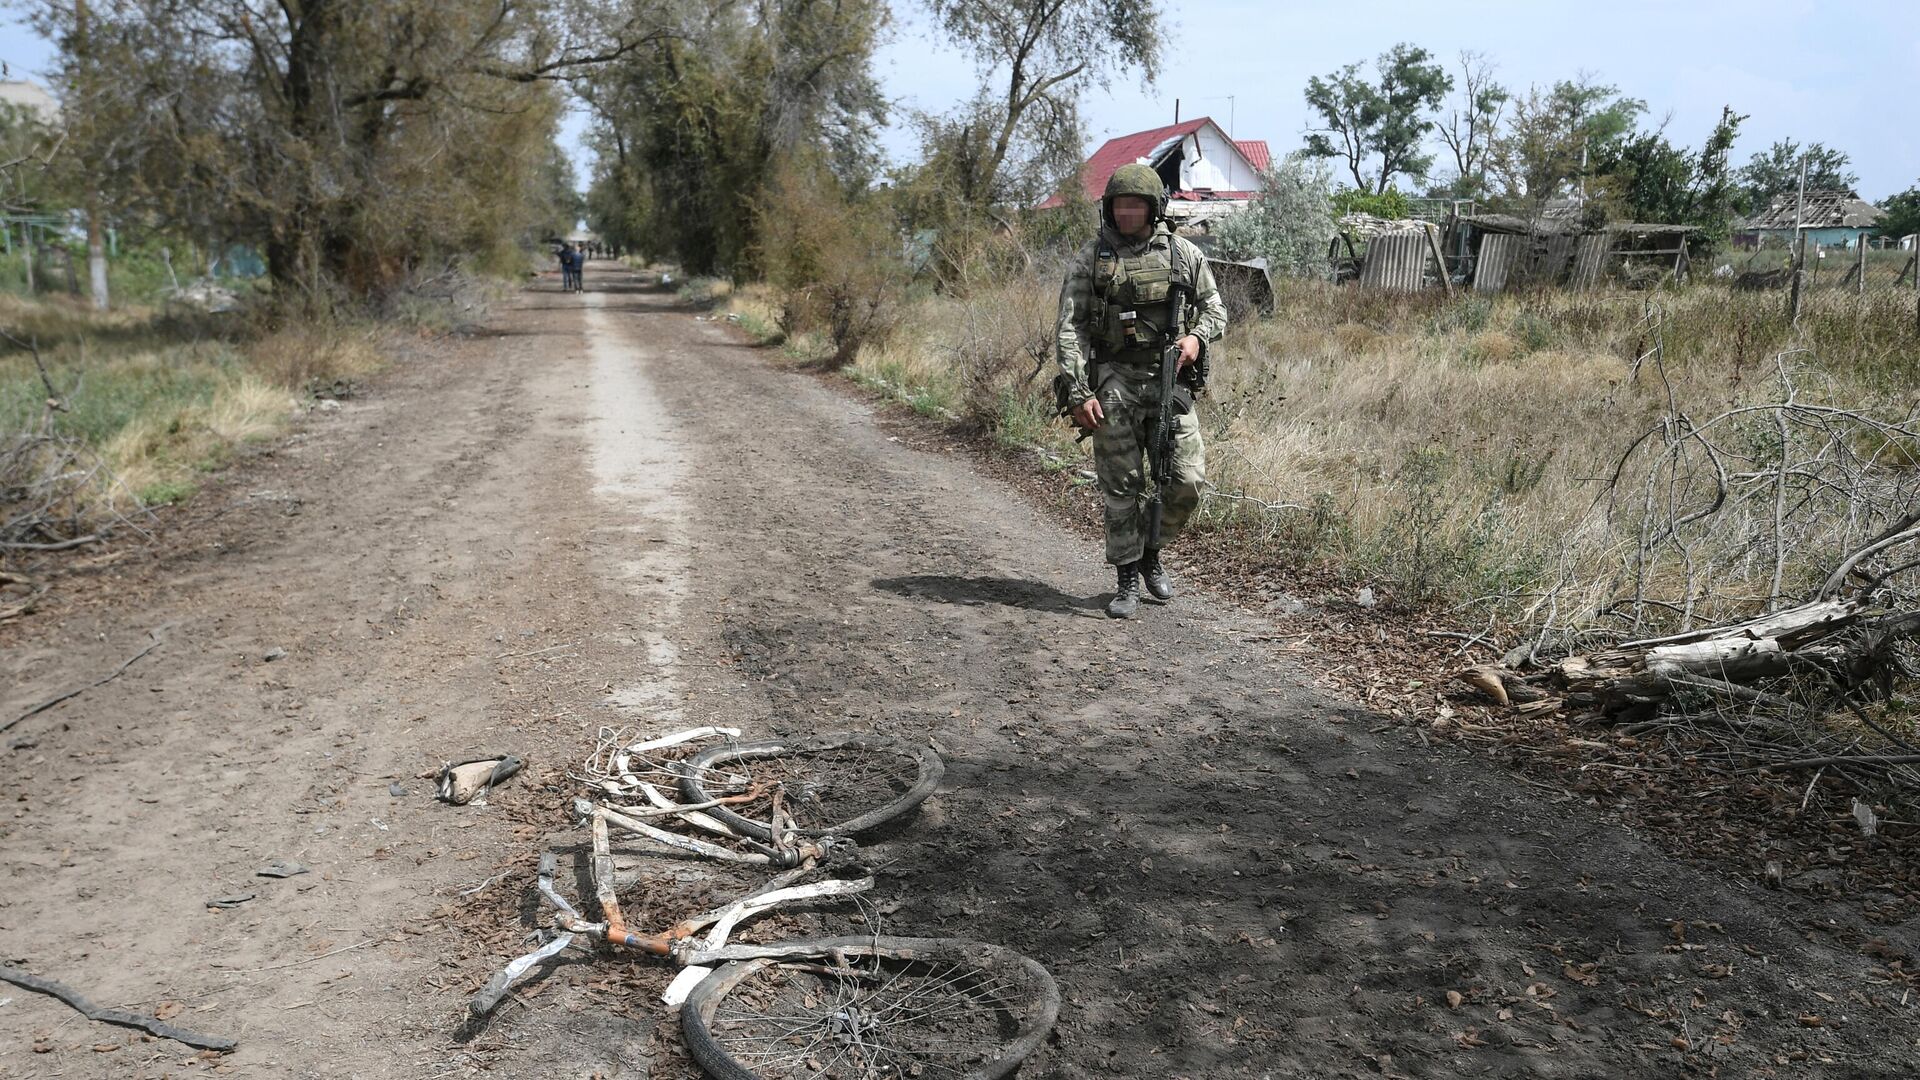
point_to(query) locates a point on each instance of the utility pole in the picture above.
(1799, 248)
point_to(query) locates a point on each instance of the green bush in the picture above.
(1392, 205)
(1469, 314)
(1289, 225)
(835, 262)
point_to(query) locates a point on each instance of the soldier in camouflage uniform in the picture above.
(1109, 347)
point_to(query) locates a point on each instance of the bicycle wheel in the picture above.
(833, 785)
(871, 1007)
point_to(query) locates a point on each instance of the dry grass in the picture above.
(160, 453)
(163, 400)
(1449, 448)
(306, 354)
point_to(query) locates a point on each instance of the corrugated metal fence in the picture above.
(1397, 261)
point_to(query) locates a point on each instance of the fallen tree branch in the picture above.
(124, 1018)
(77, 691)
(1840, 759)
(78, 541)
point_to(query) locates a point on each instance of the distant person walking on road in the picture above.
(570, 263)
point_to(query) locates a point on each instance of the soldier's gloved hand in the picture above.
(1088, 415)
(1189, 350)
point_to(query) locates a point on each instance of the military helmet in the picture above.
(1135, 179)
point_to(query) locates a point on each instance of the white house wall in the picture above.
(1211, 162)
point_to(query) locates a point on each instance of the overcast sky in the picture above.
(1841, 72)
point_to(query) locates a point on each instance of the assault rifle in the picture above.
(1160, 438)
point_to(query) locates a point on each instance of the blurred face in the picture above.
(1132, 214)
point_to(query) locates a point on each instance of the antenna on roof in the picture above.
(1176, 110)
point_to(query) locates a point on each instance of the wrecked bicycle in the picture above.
(869, 1005)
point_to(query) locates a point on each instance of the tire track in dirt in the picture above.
(636, 450)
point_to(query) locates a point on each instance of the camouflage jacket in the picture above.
(1116, 284)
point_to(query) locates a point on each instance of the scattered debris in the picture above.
(1864, 816)
(275, 653)
(113, 1016)
(27, 593)
(233, 901)
(536, 652)
(467, 781)
(204, 296)
(337, 389)
(397, 789)
(282, 868)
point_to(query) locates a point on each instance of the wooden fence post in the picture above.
(1860, 263)
(1798, 251)
(1799, 277)
(1433, 242)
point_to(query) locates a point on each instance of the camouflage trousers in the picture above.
(1120, 465)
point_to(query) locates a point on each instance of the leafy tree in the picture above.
(833, 255)
(950, 194)
(1472, 123)
(1777, 170)
(1903, 213)
(1289, 225)
(1033, 55)
(1716, 193)
(354, 140)
(1646, 178)
(690, 129)
(1389, 118)
(1553, 136)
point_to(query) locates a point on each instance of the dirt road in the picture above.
(606, 512)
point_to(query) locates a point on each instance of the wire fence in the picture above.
(1861, 269)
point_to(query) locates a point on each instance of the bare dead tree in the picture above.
(1473, 119)
(1766, 590)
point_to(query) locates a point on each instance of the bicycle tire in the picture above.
(696, 786)
(957, 965)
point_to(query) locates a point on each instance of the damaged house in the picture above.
(1207, 172)
(1829, 219)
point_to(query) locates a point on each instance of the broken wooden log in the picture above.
(1835, 639)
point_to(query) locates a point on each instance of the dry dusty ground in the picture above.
(605, 512)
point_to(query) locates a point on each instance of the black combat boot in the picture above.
(1126, 592)
(1159, 585)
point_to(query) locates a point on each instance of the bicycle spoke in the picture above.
(902, 1019)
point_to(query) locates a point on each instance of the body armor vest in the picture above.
(1129, 298)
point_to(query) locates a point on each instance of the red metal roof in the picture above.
(1128, 148)
(1124, 149)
